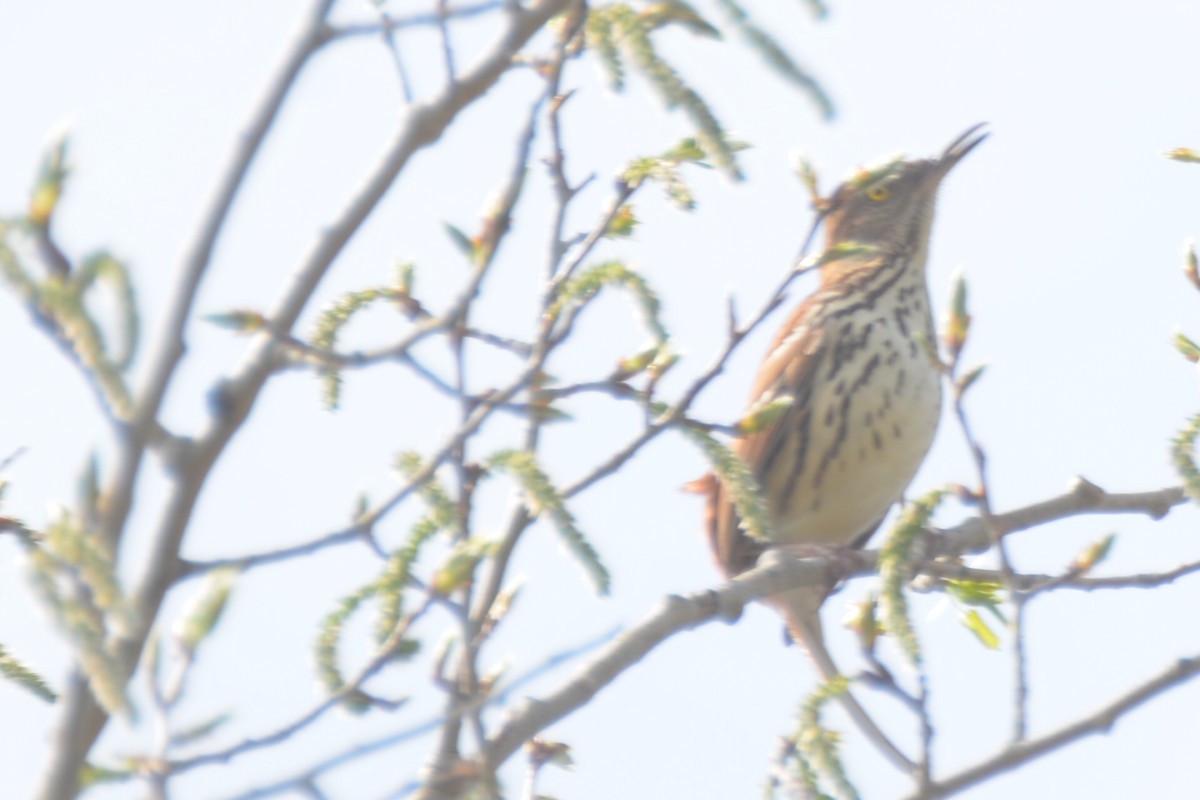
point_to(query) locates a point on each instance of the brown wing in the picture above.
(790, 362)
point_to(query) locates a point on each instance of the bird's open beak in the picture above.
(965, 143)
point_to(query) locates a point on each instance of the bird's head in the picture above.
(891, 204)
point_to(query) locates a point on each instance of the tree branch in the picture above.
(778, 571)
(82, 718)
(972, 535)
(1100, 722)
(1041, 584)
(422, 125)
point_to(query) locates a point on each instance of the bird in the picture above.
(853, 370)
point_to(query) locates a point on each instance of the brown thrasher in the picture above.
(865, 391)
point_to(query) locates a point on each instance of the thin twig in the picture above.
(519, 517)
(419, 20)
(82, 718)
(973, 535)
(676, 414)
(387, 32)
(8, 460)
(1100, 721)
(300, 353)
(776, 572)
(466, 684)
(1035, 584)
(355, 533)
(984, 501)
(423, 124)
(383, 655)
(355, 752)
(443, 15)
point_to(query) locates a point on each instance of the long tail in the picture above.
(735, 553)
(800, 608)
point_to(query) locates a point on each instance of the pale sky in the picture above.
(1068, 223)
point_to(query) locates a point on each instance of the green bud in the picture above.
(240, 320)
(1185, 154)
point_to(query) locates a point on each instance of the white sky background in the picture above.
(1068, 223)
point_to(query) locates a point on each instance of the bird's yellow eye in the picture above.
(879, 193)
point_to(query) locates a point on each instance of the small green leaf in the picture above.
(16, 671)
(968, 378)
(501, 605)
(461, 241)
(1189, 349)
(102, 268)
(685, 150)
(807, 173)
(737, 479)
(92, 775)
(200, 730)
(1185, 154)
(623, 223)
(680, 13)
(863, 618)
(929, 348)
(764, 414)
(52, 176)
(975, 593)
(821, 746)
(958, 322)
(895, 560)
(975, 624)
(636, 363)
(335, 316)
(1094, 554)
(542, 497)
(204, 610)
(873, 173)
(405, 272)
(777, 58)
(601, 40)
(543, 751)
(847, 249)
(240, 320)
(1182, 454)
(548, 413)
(362, 505)
(662, 362)
(983, 594)
(73, 572)
(459, 567)
(587, 285)
(329, 635)
(443, 511)
(1189, 263)
(817, 8)
(630, 33)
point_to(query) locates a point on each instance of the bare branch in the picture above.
(392, 23)
(383, 654)
(1041, 584)
(423, 124)
(361, 750)
(443, 15)
(1099, 722)
(972, 536)
(82, 718)
(954, 338)
(387, 32)
(778, 571)
(355, 533)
